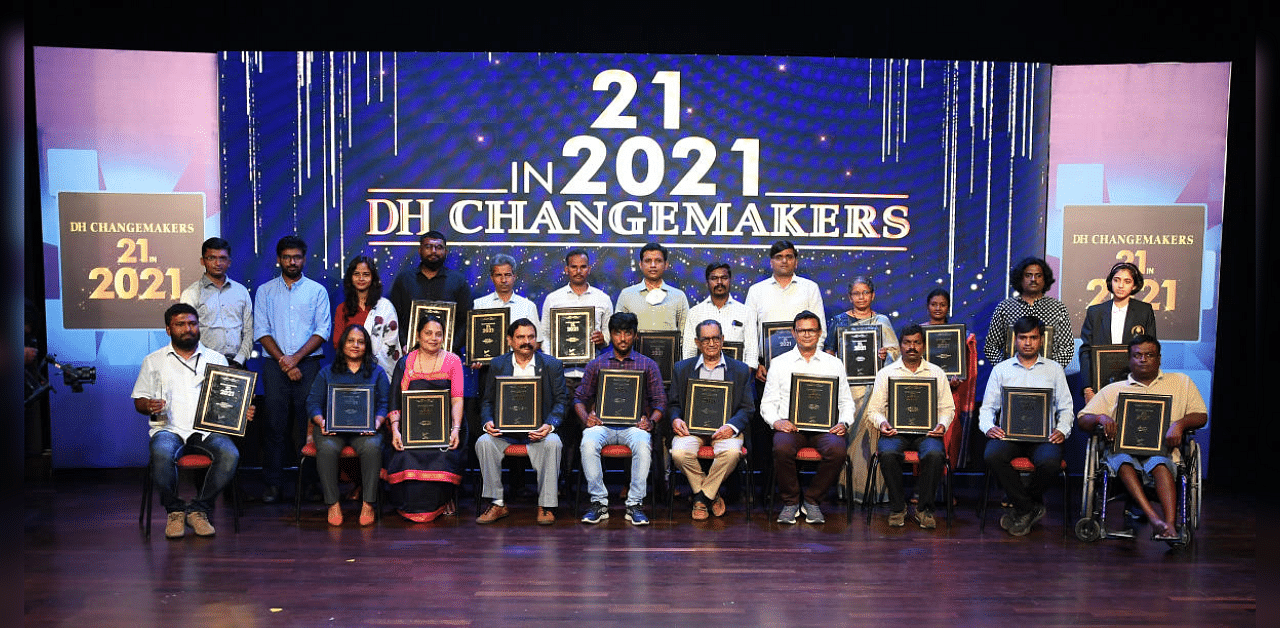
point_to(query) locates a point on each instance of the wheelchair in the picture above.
(1096, 493)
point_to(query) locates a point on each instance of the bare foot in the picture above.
(335, 514)
(1161, 531)
(366, 514)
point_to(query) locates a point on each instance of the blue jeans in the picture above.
(284, 399)
(167, 447)
(595, 438)
(932, 453)
(1047, 458)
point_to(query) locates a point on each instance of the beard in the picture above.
(187, 343)
(433, 265)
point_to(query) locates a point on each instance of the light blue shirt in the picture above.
(1043, 374)
(292, 314)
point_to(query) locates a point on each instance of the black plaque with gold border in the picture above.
(944, 345)
(1110, 363)
(662, 347)
(570, 329)
(1141, 423)
(913, 404)
(618, 396)
(860, 352)
(425, 418)
(815, 405)
(776, 338)
(1025, 415)
(519, 404)
(707, 405)
(487, 333)
(225, 397)
(348, 408)
(734, 350)
(443, 310)
(1011, 350)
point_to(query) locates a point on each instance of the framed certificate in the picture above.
(913, 404)
(776, 338)
(225, 397)
(814, 405)
(349, 409)
(443, 310)
(662, 347)
(570, 329)
(1009, 348)
(424, 418)
(1141, 422)
(487, 333)
(860, 352)
(944, 345)
(618, 396)
(1025, 414)
(734, 350)
(1110, 364)
(707, 405)
(519, 404)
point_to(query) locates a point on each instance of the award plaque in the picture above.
(913, 404)
(519, 405)
(1025, 414)
(945, 347)
(1141, 422)
(571, 329)
(618, 396)
(814, 404)
(443, 310)
(225, 397)
(662, 347)
(487, 333)
(1110, 364)
(707, 405)
(734, 350)
(860, 352)
(425, 418)
(349, 409)
(777, 338)
(1011, 350)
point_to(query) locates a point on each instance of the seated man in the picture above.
(1188, 413)
(1027, 369)
(595, 434)
(892, 445)
(542, 444)
(168, 390)
(726, 442)
(775, 409)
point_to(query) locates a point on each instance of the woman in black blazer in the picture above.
(1123, 282)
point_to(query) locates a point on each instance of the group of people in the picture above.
(291, 319)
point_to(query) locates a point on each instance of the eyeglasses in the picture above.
(293, 258)
(1144, 356)
(216, 258)
(807, 330)
(711, 339)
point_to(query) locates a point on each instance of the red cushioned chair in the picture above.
(913, 458)
(1021, 464)
(707, 454)
(612, 452)
(187, 462)
(348, 452)
(810, 455)
(514, 450)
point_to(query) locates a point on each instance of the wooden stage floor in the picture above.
(87, 565)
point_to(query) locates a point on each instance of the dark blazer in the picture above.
(742, 376)
(1096, 330)
(554, 397)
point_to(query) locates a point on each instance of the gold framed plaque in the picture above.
(618, 395)
(1009, 348)
(570, 329)
(487, 333)
(814, 403)
(707, 405)
(1108, 363)
(348, 408)
(1025, 415)
(1141, 422)
(776, 338)
(225, 397)
(662, 347)
(913, 404)
(944, 345)
(734, 350)
(860, 352)
(425, 418)
(443, 310)
(519, 404)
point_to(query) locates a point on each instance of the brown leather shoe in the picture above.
(545, 516)
(717, 506)
(199, 522)
(176, 526)
(493, 513)
(700, 511)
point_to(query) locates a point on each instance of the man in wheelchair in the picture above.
(1188, 413)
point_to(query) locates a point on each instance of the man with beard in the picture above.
(168, 390)
(737, 321)
(542, 444)
(431, 281)
(292, 320)
(1031, 279)
(784, 294)
(226, 311)
(893, 445)
(579, 293)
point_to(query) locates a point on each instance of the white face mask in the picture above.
(655, 296)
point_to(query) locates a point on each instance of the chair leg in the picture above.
(234, 487)
(848, 482)
(872, 468)
(982, 505)
(297, 494)
(951, 509)
(144, 510)
(1066, 508)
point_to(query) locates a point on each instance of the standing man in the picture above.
(1188, 412)
(595, 435)
(168, 389)
(292, 320)
(893, 445)
(775, 409)
(737, 321)
(1028, 369)
(1031, 278)
(657, 305)
(710, 363)
(543, 444)
(784, 294)
(223, 305)
(430, 280)
(502, 271)
(579, 293)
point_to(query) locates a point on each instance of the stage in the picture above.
(87, 564)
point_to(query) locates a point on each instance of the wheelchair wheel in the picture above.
(1088, 530)
(1193, 498)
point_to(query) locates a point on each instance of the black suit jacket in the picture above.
(739, 373)
(554, 396)
(1096, 330)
